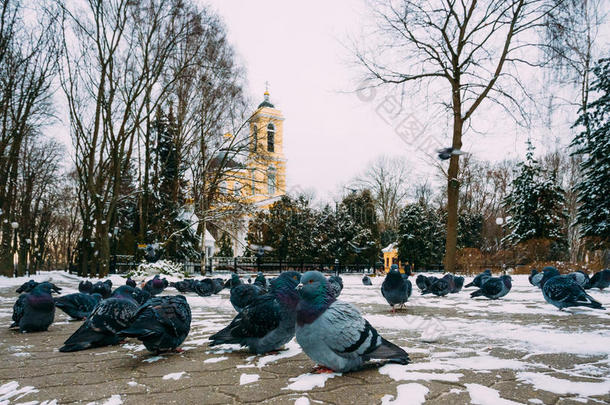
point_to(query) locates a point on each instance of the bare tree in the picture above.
(388, 180)
(115, 57)
(470, 49)
(28, 63)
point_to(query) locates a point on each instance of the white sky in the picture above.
(331, 135)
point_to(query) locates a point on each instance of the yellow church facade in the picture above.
(263, 179)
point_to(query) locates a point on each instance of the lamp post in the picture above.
(502, 221)
(336, 266)
(15, 226)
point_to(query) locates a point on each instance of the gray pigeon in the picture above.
(580, 277)
(439, 287)
(564, 292)
(205, 287)
(494, 288)
(85, 287)
(34, 311)
(395, 289)
(479, 280)
(108, 318)
(334, 334)
(535, 277)
(366, 280)
(268, 322)
(161, 324)
(336, 285)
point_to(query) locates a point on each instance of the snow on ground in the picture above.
(449, 339)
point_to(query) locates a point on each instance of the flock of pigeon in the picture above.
(562, 291)
(270, 313)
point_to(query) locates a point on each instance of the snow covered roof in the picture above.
(209, 239)
(389, 248)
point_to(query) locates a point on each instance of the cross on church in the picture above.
(266, 87)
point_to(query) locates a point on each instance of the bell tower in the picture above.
(266, 163)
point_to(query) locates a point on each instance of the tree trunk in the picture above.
(453, 190)
(6, 252)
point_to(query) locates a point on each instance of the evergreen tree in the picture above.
(225, 246)
(594, 146)
(535, 204)
(421, 236)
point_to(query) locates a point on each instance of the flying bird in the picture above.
(446, 153)
(334, 334)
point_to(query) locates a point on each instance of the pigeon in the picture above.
(600, 280)
(334, 334)
(218, 284)
(260, 280)
(130, 282)
(155, 286)
(494, 288)
(439, 287)
(535, 277)
(184, 286)
(564, 292)
(422, 282)
(27, 287)
(205, 287)
(85, 287)
(243, 294)
(34, 311)
(108, 318)
(268, 322)
(140, 295)
(31, 284)
(395, 289)
(103, 288)
(78, 305)
(161, 324)
(233, 281)
(458, 284)
(580, 277)
(479, 280)
(366, 280)
(446, 153)
(336, 285)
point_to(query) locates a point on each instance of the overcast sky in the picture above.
(330, 134)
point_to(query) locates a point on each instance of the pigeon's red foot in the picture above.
(178, 350)
(273, 352)
(322, 370)
(122, 342)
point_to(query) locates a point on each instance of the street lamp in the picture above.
(336, 266)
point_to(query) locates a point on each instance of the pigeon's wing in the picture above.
(112, 315)
(169, 314)
(256, 320)
(18, 310)
(492, 287)
(347, 333)
(564, 290)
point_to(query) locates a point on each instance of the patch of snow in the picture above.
(113, 400)
(411, 394)
(482, 395)
(302, 401)
(174, 376)
(248, 378)
(306, 382)
(399, 372)
(535, 401)
(292, 349)
(153, 359)
(215, 359)
(562, 386)
(11, 389)
(132, 384)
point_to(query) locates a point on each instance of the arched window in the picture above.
(270, 138)
(255, 139)
(237, 189)
(271, 181)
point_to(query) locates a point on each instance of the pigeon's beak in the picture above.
(298, 287)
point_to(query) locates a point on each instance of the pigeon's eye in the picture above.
(310, 281)
(294, 277)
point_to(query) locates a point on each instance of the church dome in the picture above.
(266, 102)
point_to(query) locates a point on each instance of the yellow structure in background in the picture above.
(263, 179)
(390, 257)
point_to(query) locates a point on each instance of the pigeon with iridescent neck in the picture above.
(334, 334)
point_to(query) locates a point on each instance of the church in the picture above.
(261, 181)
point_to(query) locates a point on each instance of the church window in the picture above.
(270, 137)
(271, 181)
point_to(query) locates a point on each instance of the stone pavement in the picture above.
(453, 367)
